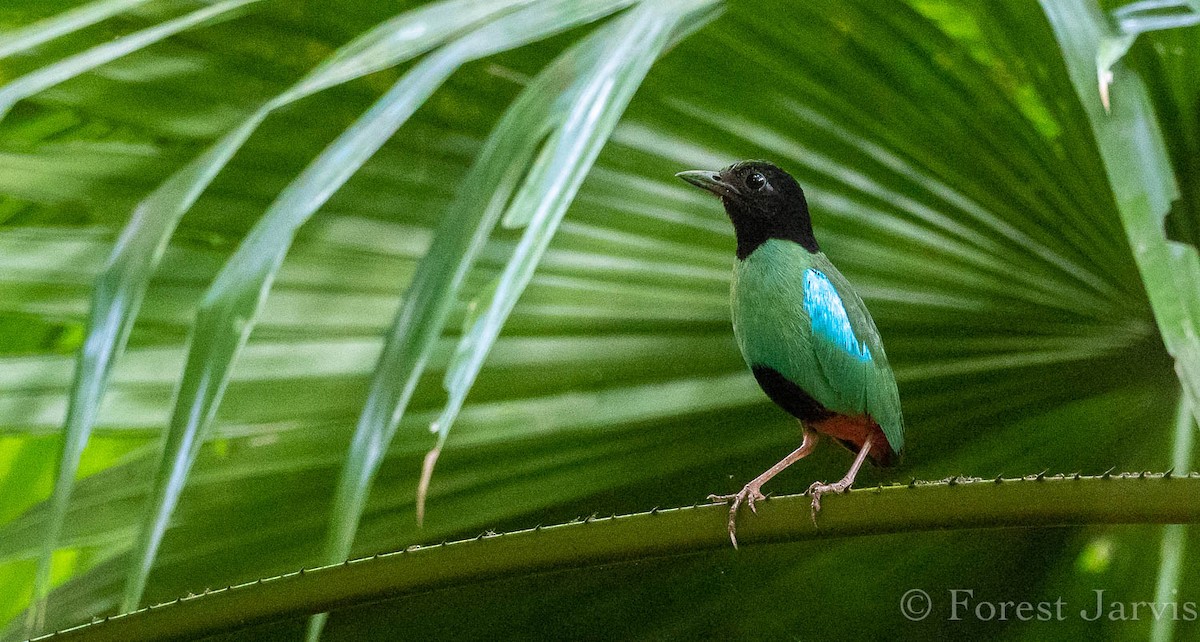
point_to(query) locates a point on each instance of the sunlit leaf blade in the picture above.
(395, 40)
(229, 309)
(122, 285)
(119, 292)
(551, 186)
(480, 200)
(1134, 23)
(81, 63)
(464, 230)
(1143, 182)
(62, 24)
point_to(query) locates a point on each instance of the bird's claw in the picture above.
(748, 496)
(820, 488)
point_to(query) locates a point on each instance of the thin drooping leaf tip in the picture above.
(427, 466)
(1104, 79)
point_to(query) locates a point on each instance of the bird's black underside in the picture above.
(802, 406)
(789, 396)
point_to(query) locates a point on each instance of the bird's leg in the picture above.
(841, 486)
(752, 491)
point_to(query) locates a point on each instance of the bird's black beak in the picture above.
(710, 181)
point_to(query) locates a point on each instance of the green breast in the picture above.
(846, 372)
(769, 322)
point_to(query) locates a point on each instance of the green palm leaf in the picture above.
(51, 75)
(120, 288)
(62, 24)
(227, 312)
(956, 172)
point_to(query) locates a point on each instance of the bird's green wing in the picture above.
(795, 313)
(850, 350)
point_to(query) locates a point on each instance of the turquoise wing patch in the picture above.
(828, 315)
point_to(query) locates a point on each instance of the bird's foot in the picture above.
(748, 496)
(820, 488)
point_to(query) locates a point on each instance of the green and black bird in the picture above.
(802, 329)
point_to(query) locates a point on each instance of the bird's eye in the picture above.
(755, 181)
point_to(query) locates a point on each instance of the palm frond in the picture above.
(556, 101)
(73, 66)
(954, 175)
(62, 24)
(230, 306)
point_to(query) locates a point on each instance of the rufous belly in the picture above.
(852, 431)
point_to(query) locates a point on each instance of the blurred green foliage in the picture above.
(953, 176)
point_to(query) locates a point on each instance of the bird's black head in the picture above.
(763, 202)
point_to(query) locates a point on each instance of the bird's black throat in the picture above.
(754, 226)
